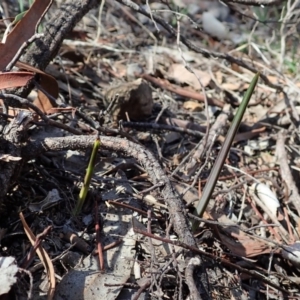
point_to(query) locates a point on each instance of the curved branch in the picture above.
(144, 156)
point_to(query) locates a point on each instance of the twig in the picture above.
(160, 127)
(215, 130)
(193, 263)
(141, 289)
(26, 103)
(180, 91)
(37, 243)
(198, 173)
(116, 203)
(98, 238)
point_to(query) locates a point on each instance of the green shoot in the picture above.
(87, 179)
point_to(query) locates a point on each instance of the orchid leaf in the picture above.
(87, 179)
(215, 172)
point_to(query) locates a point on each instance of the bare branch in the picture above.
(254, 2)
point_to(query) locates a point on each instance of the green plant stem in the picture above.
(87, 179)
(215, 172)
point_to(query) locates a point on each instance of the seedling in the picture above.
(87, 179)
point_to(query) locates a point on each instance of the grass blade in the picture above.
(214, 174)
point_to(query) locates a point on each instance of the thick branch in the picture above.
(66, 17)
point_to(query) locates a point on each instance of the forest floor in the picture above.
(162, 101)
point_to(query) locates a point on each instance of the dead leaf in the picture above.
(239, 242)
(51, 199)
(15, 79)
(234, 86)
(86, 280)
(48, 83)
(179, 73)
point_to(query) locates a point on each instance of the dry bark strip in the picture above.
(155, 172)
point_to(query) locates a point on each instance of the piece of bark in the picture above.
(133, 99)
(11, 140)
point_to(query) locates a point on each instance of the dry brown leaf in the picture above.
(234, 86)
(12, 111)
(48, 83)
(243, 245)
(239, 242)
(179, 73)
(14, 79)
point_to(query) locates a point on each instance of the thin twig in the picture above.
(98, 238)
